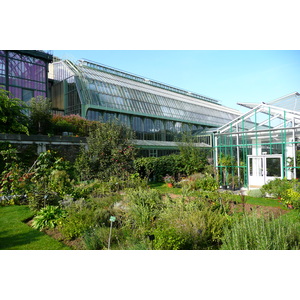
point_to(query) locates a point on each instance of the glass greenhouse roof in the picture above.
(274, 115)
(104, 88)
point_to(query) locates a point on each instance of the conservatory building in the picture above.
(156, 112)
(25, 72)
(261, 145)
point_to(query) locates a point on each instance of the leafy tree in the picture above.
(40, 114)
(193, 158)
(109, 152)
(12, 116)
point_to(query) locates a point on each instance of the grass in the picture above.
(16, 235)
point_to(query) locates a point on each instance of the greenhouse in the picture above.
(261, 145)
(158, 113)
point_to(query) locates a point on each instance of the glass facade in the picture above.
(155, 111)
(267, 134)
(25, 76)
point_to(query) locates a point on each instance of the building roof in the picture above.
(283, 112)
(114, 90)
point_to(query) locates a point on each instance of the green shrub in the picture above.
(292, 199)
(48, 217)
(278, 187)
(96, 238)
(257, 193)
(254, 232)
(144, 206)
(196, 220)
(200, 182)
(168, 239)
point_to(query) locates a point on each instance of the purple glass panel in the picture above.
(2, 79)
(16, 92)
(38, 93)
(2, 52)
(14, 55)
(2, 65)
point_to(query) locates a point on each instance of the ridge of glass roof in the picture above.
(290, 102)
(138, 78)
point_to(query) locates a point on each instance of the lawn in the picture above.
(16, 235)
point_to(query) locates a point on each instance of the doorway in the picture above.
(263, 168)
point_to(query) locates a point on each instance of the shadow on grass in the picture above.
(8, 241)
(29, 240)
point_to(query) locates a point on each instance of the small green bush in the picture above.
(48, 217)
(257, 193)
(168, 239)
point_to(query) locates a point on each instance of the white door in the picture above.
(263, 168)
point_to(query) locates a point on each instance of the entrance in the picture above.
(263, 168)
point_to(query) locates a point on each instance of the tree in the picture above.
(109, 152)
(40, 114)
(194, 158)
(12, 116)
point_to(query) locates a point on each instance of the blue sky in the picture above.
(226, 75)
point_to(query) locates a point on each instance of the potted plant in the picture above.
(169, 180)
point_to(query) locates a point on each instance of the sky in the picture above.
(229, 76)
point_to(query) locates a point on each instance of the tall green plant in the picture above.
(40, 115)
(109, 152)
(12, 116)
(254, 232)
(194, 158)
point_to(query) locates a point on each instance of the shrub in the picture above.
(40, 115)
(168, 239)
(48, 217)
(80, 217)
(144, 207)
(278, 187)
(196, 220)
(96, 238)
(110, 152)
(254, 232)
(292, 198)
(257, 193)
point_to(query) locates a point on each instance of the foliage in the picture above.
(256, 193)
(48, 217)
(40, 115)
(278, 187)
(254, 232)
(144, 207)
(202, 182)
(194, 159)
(155, 168)
(291, 198)
(198, 223)
(169, 179)
(96, 238)
(14, 179)
(12, 116)
(109, 152)
(226, 162)
(168, 239)
(73, 123)
(83, 215)
(50, 180)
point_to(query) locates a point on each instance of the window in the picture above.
(27, 94)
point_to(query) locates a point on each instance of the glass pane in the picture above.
(27, 95)
(273, 167)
